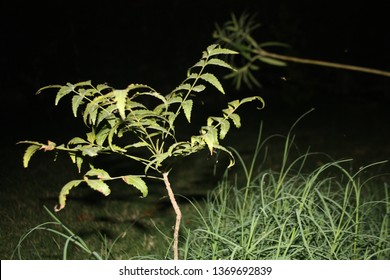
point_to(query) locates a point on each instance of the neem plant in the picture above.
(149, 131)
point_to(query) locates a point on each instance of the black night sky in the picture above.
(154, 42)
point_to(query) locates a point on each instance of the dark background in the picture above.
(154, 42)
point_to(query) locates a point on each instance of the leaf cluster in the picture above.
(237, 34)
(148, 120)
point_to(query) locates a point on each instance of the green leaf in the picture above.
(216, 50)
(174, 99)
(106, 114)
(77, 140)
(64, 192)
(76, 160)
(157, 160)
(92, 108)
(182, 148)
(29, 153)
(232, 159)
(185, 87)
(102, 87)
(89, 151)
(210, 78)
(219, 62)
(77, 100)
(223, 122)
(137, 182)
(154, 125)
(64, 90)
(234, 104)
(187, 108)
(225, 126)
(137, 145)
(113, 131)
(210, 136)
(236, 119)
(159, 109)
(90, 113)
(154, 94)
(200, 63)
(137, 86)
(98, 185)
(199, 88)
(91, 136)
(101, 136)
(192, 75)
(99, 173)
(120, 99)
(48, 87)
(83, 84)
(253, 98)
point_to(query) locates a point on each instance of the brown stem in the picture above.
(178, 216)
(323, 63)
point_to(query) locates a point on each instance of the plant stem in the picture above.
(178, 216)
(264, 53)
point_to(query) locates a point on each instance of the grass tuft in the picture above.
(328, 213)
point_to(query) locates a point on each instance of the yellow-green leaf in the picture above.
(210, 78)
(236, 119)
(98, 185)
(232, 159)
(225, 126)
(29, 153)
(210, 136)
(187, 108)
(252, 98)
(216, 50)
(64, 90)
(120, 99)
(64, 192)
(99, 173)
(77, 100)
(77, 140)
(101, 136)
(137, 182)
(76, 160)
(219, 62)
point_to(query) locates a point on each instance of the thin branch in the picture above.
(323, 63)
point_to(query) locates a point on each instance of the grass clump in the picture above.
(327, 213)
